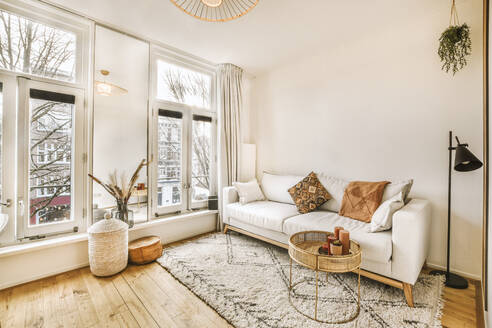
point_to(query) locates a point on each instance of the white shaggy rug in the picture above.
(246, 281)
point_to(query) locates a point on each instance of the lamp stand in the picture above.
(452, 280)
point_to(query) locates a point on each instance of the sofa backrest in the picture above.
(276, 186)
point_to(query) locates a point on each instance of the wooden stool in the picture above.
(145, 250)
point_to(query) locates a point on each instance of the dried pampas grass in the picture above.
(121, 190)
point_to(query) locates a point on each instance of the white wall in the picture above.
(377, 108)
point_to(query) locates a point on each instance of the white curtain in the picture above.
(229, 79)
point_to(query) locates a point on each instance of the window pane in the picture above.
(169, 176)
(50, 160)
(1, 141)
(181, 85)
(202, 141)
(34, 48)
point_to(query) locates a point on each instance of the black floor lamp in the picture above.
(464, 161)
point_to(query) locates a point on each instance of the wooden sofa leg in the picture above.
(407, 289)
(226, 228)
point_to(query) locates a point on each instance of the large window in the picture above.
(43, 75)
(185, 133)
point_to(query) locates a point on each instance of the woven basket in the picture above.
(108, 247)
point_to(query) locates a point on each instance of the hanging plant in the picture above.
(454, 44)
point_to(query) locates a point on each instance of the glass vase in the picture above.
(121, 212)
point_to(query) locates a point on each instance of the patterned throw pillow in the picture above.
(361, 199)
(309, 194)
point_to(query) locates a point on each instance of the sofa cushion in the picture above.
(394, 188)
(248, 191)
(361, 199)
(275, 187)
(375, 246)
(336, 188)
(309, 194)
(382, 219)
(264, 214)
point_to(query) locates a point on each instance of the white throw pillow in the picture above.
(382, 219)
(394, 188)
(276, 186)
(248, 191)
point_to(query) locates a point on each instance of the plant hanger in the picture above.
(454, 43)
(454, 20)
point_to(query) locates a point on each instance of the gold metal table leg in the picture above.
(290, 279)
(316, 302)
(358, 292)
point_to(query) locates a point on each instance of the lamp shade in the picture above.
(465, 161)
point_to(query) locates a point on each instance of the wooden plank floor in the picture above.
(140, 296)
(148, 296)
(463, 308)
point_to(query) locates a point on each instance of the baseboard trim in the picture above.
(43, 275)
(461, 273)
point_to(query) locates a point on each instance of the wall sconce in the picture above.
(105, 88)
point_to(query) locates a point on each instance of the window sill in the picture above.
(39, 245)
(75, 238)
(173, 218)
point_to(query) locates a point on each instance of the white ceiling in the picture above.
(273, 33)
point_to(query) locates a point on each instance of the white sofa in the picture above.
(394, 257)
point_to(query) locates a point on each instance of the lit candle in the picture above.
(345, 239)
(337, 232)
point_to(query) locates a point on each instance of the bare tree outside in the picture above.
(34, 48)
(50, 161)
(201, 159)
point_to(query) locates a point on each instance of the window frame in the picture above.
(213, 158)
(78, 163)
(8, 154)
(83, 28)
(184, 163)
(159, 54)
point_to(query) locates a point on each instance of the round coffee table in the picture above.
(303, 248)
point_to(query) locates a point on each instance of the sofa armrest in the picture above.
(229, 196)
(410, 239)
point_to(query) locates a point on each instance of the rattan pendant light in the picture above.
(216, 10)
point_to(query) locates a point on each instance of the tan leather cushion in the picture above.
(361, 199)
(309, 194)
